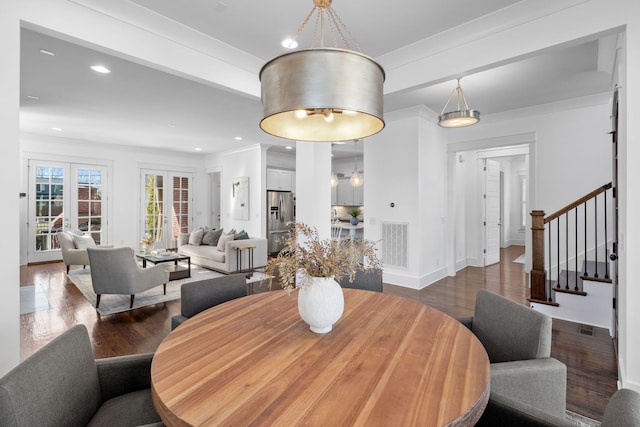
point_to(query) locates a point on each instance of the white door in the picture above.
(166, 206)
(491, 211)
(216, 205)
(64, 196)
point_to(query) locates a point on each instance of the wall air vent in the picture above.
(394, 244)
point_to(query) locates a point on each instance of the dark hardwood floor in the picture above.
(590, 358)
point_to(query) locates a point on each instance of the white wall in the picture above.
(406, 166)
(277, 160)
(249, 162)
(11, 205)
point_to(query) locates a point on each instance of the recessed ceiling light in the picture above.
(238, 138)
(289, 44)
(288, 147)
(47, 52)
(100, 69)
(57, 129)
(198, 149)
(33, 97)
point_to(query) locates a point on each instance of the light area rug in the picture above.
(110, 304)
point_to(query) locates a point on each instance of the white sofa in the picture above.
(224, 261)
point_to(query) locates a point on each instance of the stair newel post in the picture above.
(538, 275)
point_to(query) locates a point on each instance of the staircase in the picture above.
(571, 277)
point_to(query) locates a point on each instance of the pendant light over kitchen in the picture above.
(356, 177)
(320, 93)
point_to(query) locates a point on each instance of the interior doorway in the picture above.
(474, 244)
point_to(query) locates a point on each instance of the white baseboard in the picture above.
(413, 282)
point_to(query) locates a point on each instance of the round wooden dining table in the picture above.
(389, 361)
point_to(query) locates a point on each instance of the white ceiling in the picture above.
(138, 105)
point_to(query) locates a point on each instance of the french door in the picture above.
(491, 212)
(166, 206)
(64, 196)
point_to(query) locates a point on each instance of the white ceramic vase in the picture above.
(321, 303)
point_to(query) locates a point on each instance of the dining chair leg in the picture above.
(98, 300)
(131, 305)
(164, 287)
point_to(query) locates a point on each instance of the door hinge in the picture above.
(614, 191)
(484, 196)
(484, 223)
(614, 303)
(484, 251)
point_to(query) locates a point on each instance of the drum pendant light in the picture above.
(322, 94)
(460, 117)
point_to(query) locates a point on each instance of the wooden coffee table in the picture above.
(388, 361)
(176, 271)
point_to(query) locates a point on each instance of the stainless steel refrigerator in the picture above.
(281, 214)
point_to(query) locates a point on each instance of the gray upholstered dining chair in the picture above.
(366, 280)
(518, 342)
(200, 295)
(115, 271)
(623, 410)
(63, 385)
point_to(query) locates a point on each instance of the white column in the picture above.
(9, 174)
(313, 186)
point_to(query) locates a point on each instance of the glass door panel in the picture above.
(64, 196)
(89, 183)
(166, 210)
(49, 206)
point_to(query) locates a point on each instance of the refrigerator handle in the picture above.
(280, 207)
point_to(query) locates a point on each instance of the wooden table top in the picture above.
(388, 361)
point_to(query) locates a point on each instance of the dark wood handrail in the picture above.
(577, 203)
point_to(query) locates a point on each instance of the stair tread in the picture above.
(569, 282)
(596, 271)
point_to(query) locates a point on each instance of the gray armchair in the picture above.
(203, 294)
(368, 281)
(518, 342)
(62, 385)
(115, 271)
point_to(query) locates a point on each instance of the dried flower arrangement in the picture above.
(148, 240)
(306, 256)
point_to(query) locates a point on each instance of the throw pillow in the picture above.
(243, 235)
(195, 238)
(83, 242)
(211, 237)
(223, 241)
